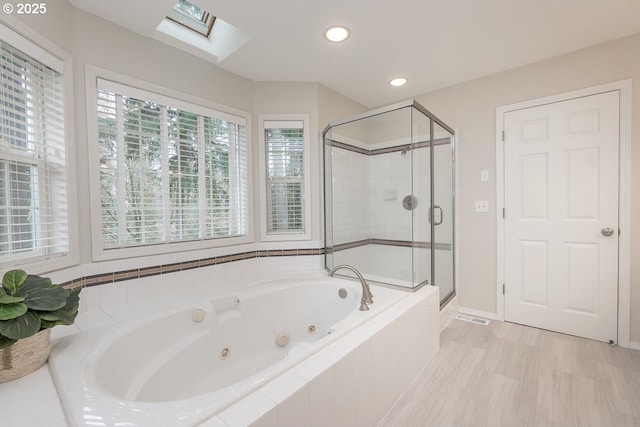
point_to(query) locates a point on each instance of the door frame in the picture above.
(624, 201)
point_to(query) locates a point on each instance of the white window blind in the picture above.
(33, 183)
(168, 173)
(284, 155)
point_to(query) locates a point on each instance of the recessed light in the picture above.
(398, 81)
(337, 34)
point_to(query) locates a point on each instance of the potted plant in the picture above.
(30, 306)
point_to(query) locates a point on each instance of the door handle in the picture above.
(434, 212)
(607, 231)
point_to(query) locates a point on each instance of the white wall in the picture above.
(468, 107)
(471, 107)
(292, 98)
(93, 41)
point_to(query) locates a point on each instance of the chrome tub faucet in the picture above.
(367, 298)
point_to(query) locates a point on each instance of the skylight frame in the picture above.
(202, 26)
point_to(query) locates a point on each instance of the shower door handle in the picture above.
(434, 210)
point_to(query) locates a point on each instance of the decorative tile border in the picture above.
(117, 276)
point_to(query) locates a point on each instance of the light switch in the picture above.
(482, 206)
(484, 175)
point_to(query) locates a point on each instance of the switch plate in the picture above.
(482, 206)
(484, 175)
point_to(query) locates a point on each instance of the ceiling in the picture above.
(433, 43)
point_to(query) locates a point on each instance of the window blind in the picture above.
(284, 149)
(33, 184)
(168, 174)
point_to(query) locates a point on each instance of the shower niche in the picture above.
(389, 197)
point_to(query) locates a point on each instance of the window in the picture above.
(33, 184)
(170, 171)
(284, 144)
(193, 17)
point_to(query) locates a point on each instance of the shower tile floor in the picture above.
(510, 375)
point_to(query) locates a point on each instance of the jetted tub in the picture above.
(180, 368)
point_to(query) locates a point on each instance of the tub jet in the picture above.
(197, 315)
(282, 339)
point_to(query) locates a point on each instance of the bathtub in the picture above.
(182, 367)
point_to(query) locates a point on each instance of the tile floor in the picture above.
(510, 375)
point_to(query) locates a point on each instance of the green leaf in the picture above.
(35, 282)
(21, 327)
(11, 311)
(6, 342)
(49, 316)
(46, 299)
(46, 324)
(12, 280)
(8, 299)
(67, 314)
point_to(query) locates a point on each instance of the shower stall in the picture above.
(389, 197)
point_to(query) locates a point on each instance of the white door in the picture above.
(561, 216)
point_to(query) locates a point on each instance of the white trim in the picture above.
(153, 96)
(500, 254)
(275, 121)
(624, 242)
(20, 41)
(624, 217)
(478, 313)
(92, 74)
(456, 215)
(42, 49)
(634, 345)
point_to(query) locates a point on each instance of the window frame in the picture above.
(265, 235)
(201, 27)
(174, 99)
(32, 43)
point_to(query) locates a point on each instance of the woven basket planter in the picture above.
(25, 356)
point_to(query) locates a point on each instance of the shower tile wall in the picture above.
(390, 182)
(375, 162)
(367, 204)
(368, 193)
(351, 215)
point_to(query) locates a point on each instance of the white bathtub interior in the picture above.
(142, 364)
(148, 396)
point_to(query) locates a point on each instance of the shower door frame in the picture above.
(410, 103)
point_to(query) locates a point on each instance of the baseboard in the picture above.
(634, 345)
(478, 313)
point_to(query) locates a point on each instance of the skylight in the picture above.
(193, 17)
(190, 28)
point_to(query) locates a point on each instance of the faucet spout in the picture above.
(367, 297)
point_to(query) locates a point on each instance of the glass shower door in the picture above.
(389, 197)
(443, 213)
(421, 173)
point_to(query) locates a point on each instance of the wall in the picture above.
(470, 108)
(293, 98)
(332, 106)
(93, 41)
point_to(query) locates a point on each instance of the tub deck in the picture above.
(345, 368)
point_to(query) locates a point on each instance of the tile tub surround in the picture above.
(138, 273)
(104, 305)
(353, 381)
